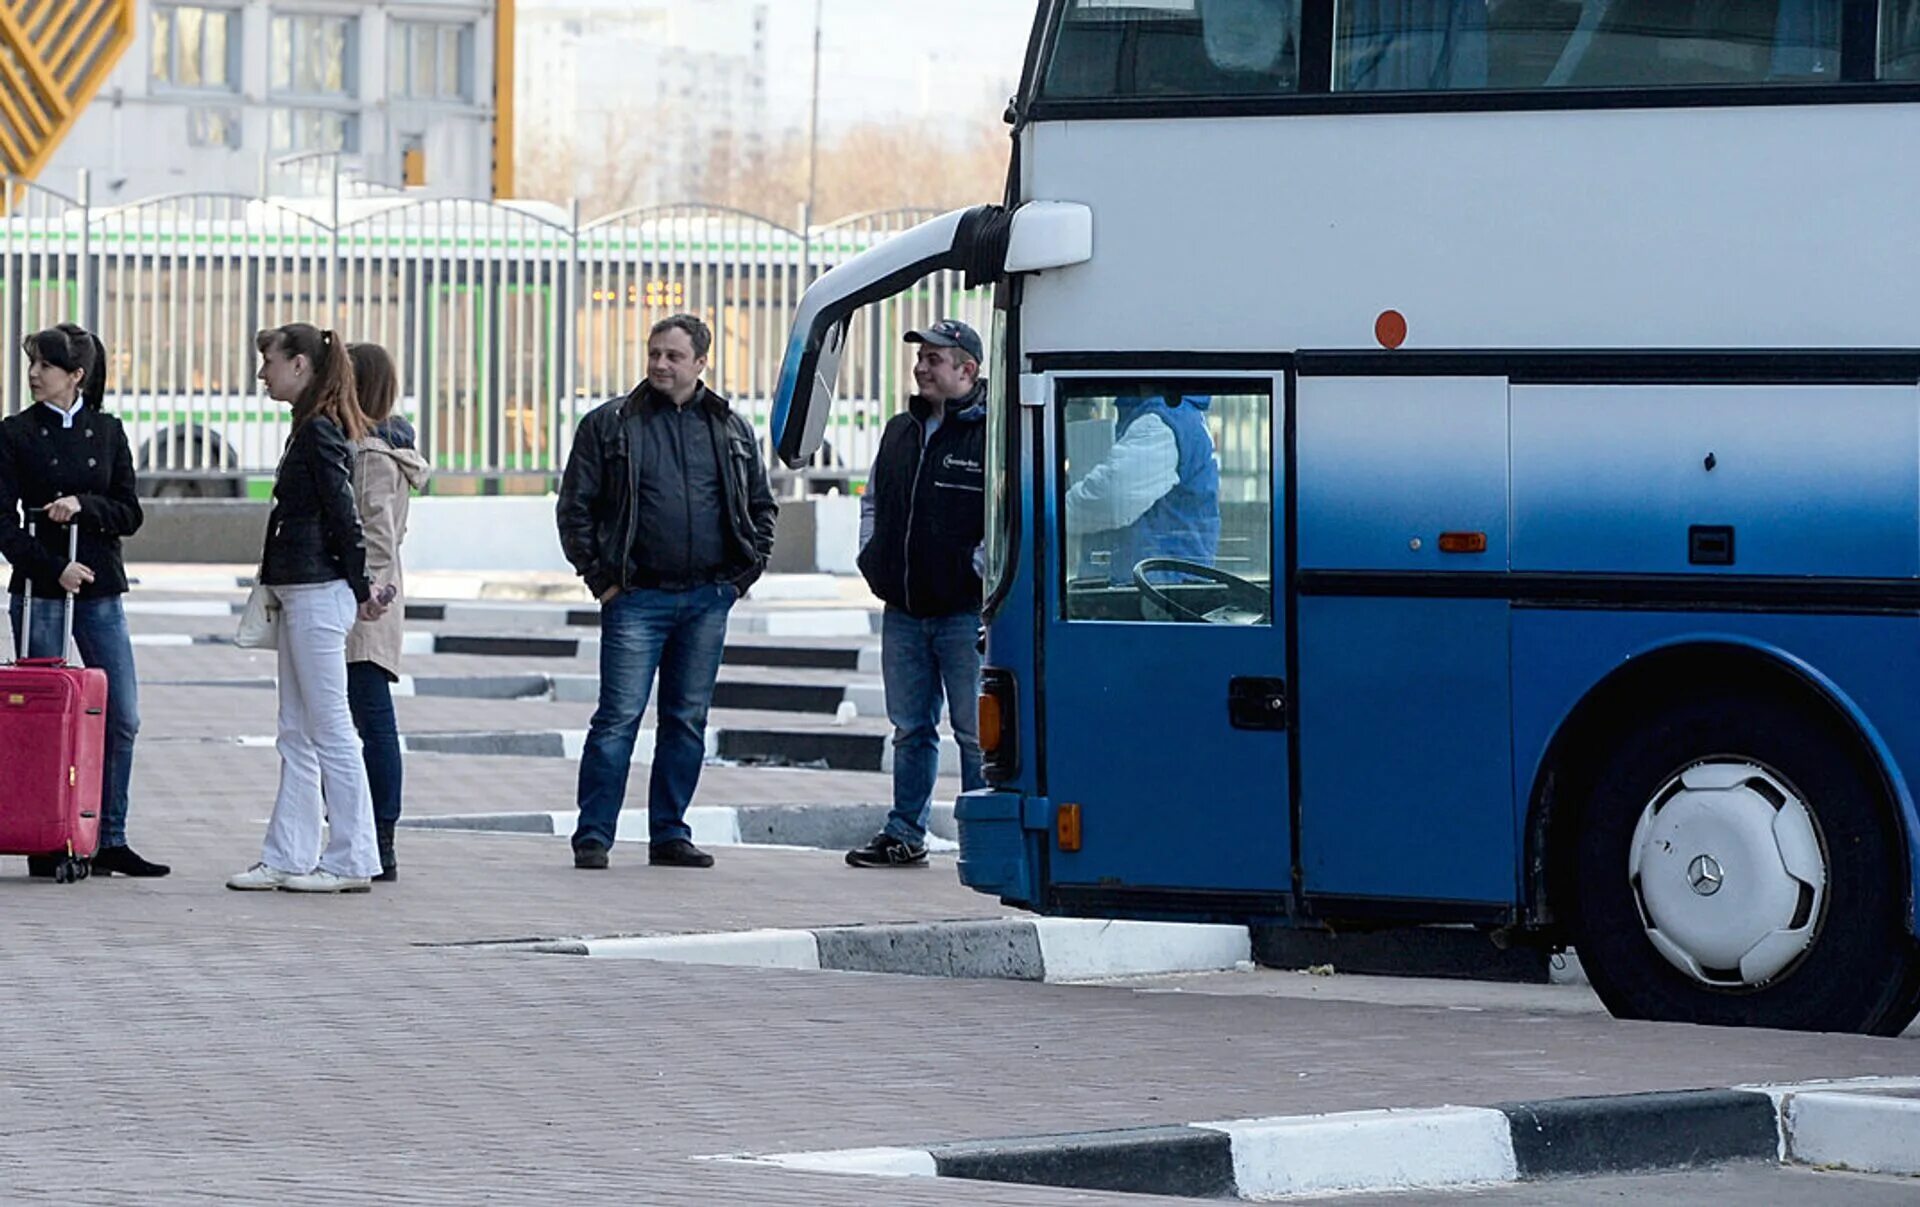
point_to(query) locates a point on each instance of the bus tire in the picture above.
(1678, 864)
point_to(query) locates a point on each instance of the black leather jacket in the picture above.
(313, 535)
(596, 512)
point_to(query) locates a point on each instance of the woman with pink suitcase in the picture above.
(68, 460)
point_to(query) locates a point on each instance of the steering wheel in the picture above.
(1241, 594)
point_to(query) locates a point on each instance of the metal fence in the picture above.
(507, 321)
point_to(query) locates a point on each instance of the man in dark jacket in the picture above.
(666, 513)
(922, 522)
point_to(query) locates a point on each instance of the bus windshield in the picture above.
(1146, 48)
(1203, 48)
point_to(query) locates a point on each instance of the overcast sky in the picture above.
(894, 58)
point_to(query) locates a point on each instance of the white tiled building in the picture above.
(664, 83)
(213, 91)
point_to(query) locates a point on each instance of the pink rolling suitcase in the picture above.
(53, 743)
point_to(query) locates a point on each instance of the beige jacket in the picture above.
(384, 478)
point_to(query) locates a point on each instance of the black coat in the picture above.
(40, 461)
(929, 509)
(597, 512)
(313, 535)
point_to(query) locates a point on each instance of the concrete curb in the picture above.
(815, 749)
(1021, 949)
(863, 659)
(1872, 1127)
(822, 826)
(843, 701)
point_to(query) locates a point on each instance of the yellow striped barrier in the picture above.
(54, 56)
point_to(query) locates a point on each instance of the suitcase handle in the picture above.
(23, 641)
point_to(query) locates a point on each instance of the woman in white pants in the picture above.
(315, 563)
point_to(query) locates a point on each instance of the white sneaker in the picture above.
(323, 881)
(258, 877)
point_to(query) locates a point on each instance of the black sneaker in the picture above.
(590, 855)
(678, 853)
(123, 860)
(886, 851)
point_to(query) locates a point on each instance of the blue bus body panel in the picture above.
(1386, 464)
(1170, 795)
(1813, 479)
(1405, 772)
(1870, 665)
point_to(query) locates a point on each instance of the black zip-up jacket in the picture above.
(313, 534)
(929, 509)
(598, 511)
(42, 460)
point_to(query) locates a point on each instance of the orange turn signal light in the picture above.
(992, 723)
(1463, 542)
(1066, 827)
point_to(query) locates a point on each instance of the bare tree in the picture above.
(875, 166)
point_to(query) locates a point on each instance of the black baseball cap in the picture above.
(951, 333)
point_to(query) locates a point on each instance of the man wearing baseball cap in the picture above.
(922, 521)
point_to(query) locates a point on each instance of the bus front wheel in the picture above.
(1736, 863)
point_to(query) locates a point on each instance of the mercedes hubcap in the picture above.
(1730, 873)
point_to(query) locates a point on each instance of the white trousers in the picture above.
(319, 750)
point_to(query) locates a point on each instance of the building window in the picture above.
(293, 130)
(313, 55)
(194, 46)
(213, 127)
(430, 61)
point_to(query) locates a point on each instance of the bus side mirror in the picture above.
(1049, 234)
(826, 373)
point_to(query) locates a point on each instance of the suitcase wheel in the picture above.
(71, 869)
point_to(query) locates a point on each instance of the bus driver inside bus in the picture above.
(1154, 493)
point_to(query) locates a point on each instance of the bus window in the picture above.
(1446, 45)
(1147, 48)
(1167, 501)
(1900, 40)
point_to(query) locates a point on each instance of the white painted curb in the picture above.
(795, 949)
(1083, 949)
(878, 1162)
(178, 607)
(1859, 1130)
(1370, 1150)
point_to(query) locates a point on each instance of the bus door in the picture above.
(1164, 647)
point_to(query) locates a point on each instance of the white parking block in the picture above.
(1082, 949)
(795, 949)
(1370, 1150)
(1861, 1131)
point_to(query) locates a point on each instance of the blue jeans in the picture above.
(922, 660)
(100, 632)
(370, 699)
(680, 635)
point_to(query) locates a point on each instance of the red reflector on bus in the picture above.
(1463, 542)
(1066, 827)
(1390, 329)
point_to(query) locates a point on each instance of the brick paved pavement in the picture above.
(173, 1042)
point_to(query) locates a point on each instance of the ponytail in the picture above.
(93, 387)
(330, 395)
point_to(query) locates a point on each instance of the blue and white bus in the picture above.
(1458, 462)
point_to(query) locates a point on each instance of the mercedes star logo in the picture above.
(1705, 875)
